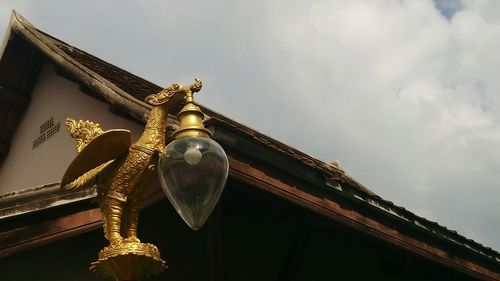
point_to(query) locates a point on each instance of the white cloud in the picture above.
(406, 92)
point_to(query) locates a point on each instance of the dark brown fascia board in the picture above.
(297, 164)
(399, 221)
(322, 203)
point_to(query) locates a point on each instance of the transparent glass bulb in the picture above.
(193, 172)
(192, 156)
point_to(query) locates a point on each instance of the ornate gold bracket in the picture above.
(121, 171)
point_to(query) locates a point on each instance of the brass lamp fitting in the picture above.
(191, 121)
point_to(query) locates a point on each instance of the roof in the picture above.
(296, 176)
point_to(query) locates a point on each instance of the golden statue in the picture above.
(121, 171)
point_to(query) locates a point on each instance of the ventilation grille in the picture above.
(47, 130)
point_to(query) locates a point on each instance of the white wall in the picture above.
(57, 97)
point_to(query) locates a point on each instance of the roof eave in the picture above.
(110, 92)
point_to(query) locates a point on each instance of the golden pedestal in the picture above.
(128, 261)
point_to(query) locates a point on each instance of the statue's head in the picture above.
(173, 94)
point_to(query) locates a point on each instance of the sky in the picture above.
(404, 93)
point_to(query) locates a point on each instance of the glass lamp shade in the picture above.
(193, 172)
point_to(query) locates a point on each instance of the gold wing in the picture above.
(88, 179)
(98, 154)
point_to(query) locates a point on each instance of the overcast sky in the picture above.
(403, 93)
